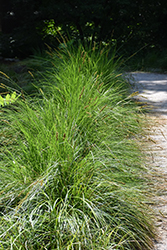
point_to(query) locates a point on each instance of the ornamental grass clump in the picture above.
(71, 172)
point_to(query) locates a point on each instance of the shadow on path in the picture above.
(152, 89)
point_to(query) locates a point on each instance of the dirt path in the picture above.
(153, 90)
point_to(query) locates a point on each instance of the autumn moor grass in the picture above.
(71, 170)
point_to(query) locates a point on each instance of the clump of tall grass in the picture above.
(70, 169)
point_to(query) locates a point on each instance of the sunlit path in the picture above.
(152, 89)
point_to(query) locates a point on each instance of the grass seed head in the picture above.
(81, 92)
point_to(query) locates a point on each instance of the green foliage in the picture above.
(30, 24)
(70, 169)
(9, 96)
(8, 99)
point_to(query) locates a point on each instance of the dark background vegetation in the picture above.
(28, 25)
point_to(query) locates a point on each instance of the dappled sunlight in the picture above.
(152, 89)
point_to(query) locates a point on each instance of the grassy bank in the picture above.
(71, 174)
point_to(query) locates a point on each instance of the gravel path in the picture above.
(152, 89)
